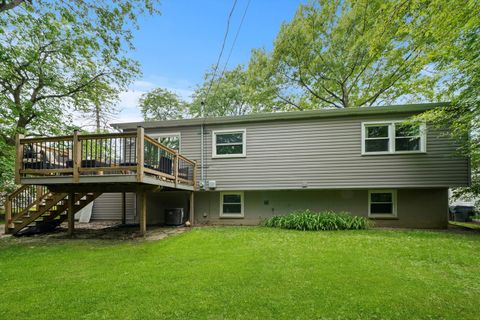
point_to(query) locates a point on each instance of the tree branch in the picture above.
(71, 91)
(4, 5)
(289, 101)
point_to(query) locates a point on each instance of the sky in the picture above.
(175, 48)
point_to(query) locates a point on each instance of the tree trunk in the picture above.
(97, 117)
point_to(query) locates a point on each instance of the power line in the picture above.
(223, 47)
(233, 46)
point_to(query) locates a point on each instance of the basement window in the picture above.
(393, 137)
(229, 144)
(231, 205)
(382, 203)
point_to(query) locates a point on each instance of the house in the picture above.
(365, 161)
(371, 162)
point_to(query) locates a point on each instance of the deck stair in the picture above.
(35, 209)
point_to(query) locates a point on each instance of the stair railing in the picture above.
(19, 202)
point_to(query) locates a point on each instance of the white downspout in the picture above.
(202, 132)
(202, 174)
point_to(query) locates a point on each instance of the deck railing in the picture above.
(19, 202)
(78, 155)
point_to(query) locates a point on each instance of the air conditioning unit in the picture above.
(174, 217)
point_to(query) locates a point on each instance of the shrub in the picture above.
(315, 221)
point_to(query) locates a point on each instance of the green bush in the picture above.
(315, 221)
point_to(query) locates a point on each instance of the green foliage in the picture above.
(307, 220)
(57, 57)
(228, 95)
(344, 54)
(454, 34)
(60, 56)
(162, 104)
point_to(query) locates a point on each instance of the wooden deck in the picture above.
(102, 159)
(60, 175)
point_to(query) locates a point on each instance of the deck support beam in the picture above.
(19, 158)
(142, 211)
(192, 209)
(77, 157)
(71, 214)
(140, 153)
(8, 214)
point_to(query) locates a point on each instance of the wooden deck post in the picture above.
(19, 158)
(142, 211)
(175, 173)
(124, 208)
(140, 153)
(8, 214)
(39, 194)
(192, 208)
(195, 175)
(71, 215)
(77, 154)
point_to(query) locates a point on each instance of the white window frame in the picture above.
(244, 143)
(157, 136)
(391, 137)
(383, 215)
(242, 203)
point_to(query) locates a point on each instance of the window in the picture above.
(377, 138)
(231, 204)
(229, 144)
(171, 140)
(393, 137)
(407, 137)
(382, 203)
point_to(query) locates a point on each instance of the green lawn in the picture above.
(251, 273)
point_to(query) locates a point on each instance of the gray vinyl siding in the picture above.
(109, 207)
(322, 153)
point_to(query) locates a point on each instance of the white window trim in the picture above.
(391, 137)
(156, 136)
(244, 142)
(242, 203)
(383, 215)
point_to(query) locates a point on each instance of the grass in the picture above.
(469, 225)
(253, 273)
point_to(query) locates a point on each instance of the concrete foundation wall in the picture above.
(157, 202)
(416, 208)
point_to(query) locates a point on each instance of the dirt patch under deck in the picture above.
(107, 231)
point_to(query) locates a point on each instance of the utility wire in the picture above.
(232, 47)
(213, 77)
(221, 51)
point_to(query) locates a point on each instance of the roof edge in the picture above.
(275, 116)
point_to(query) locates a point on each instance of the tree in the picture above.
(342, 54)
(8, 5)
(162, 104)
(102, 109)
(55, 56)
(454, 37)
(227, 95)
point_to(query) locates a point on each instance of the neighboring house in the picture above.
(366, 161)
